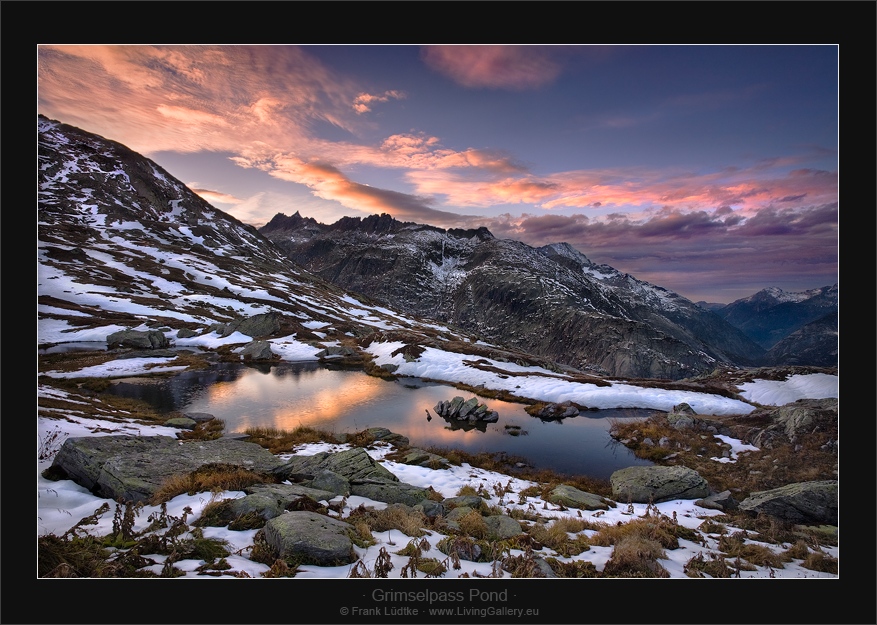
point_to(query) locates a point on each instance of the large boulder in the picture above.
(265, 324)
(133, 468)
(657, 484)
(803, 502)
(150, 339)
(572, 497)
(310, 538)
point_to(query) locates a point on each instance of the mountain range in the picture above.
(113, 224)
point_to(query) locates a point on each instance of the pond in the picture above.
(288, 395)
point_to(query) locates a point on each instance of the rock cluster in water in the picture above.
(466, 410)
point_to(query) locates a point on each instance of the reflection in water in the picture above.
(339, 401)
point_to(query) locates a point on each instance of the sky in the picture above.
(711, 170)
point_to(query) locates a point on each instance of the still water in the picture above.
(291, 394)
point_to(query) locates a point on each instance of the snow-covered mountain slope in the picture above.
(552, 301)
(123, 244)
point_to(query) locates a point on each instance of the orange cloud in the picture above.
(214, 196)
(495, 67)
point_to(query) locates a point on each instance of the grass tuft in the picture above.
(209, 478)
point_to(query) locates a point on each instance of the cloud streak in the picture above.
(514, 68)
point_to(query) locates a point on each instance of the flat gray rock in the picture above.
(133, 468)
(572, 497)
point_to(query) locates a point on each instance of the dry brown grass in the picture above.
(472, 524)
(279, 441)
(818, 561)
(783, 464)
(636, 556)
(408, 521)
(204, 431)
(714, 566)
(798, 551)
(211, 478)
(556, 536)
(657, 530)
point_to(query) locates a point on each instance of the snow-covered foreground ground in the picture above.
(61, 504)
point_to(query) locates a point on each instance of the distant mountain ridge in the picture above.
(117, 233)
(551, 301)
(771, 315)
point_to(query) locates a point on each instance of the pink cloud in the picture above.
(362, 103)
(495, 67)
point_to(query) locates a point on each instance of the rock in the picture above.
(336, 350)
(263, 504)
(310, 538)
(683, 409)
(803, 503)
(353, 464)
(545, 569)
(681, 421)
(383, 434)
(151, 339)
(788, 423)
(453, 517)
(133, 468)
(199, 416)
(473, 502)
(464, 547)
(290, 492)
(718, 501)
(265, 324)
(389, 492)
(552, 410)
(500, 527)
(467, 406)
(257, 350)
(656, 484)
(272, 500)
(572, 497)
(332, 482)
(469, 411)
(185, 333)
(421, 458)
(431, 509)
